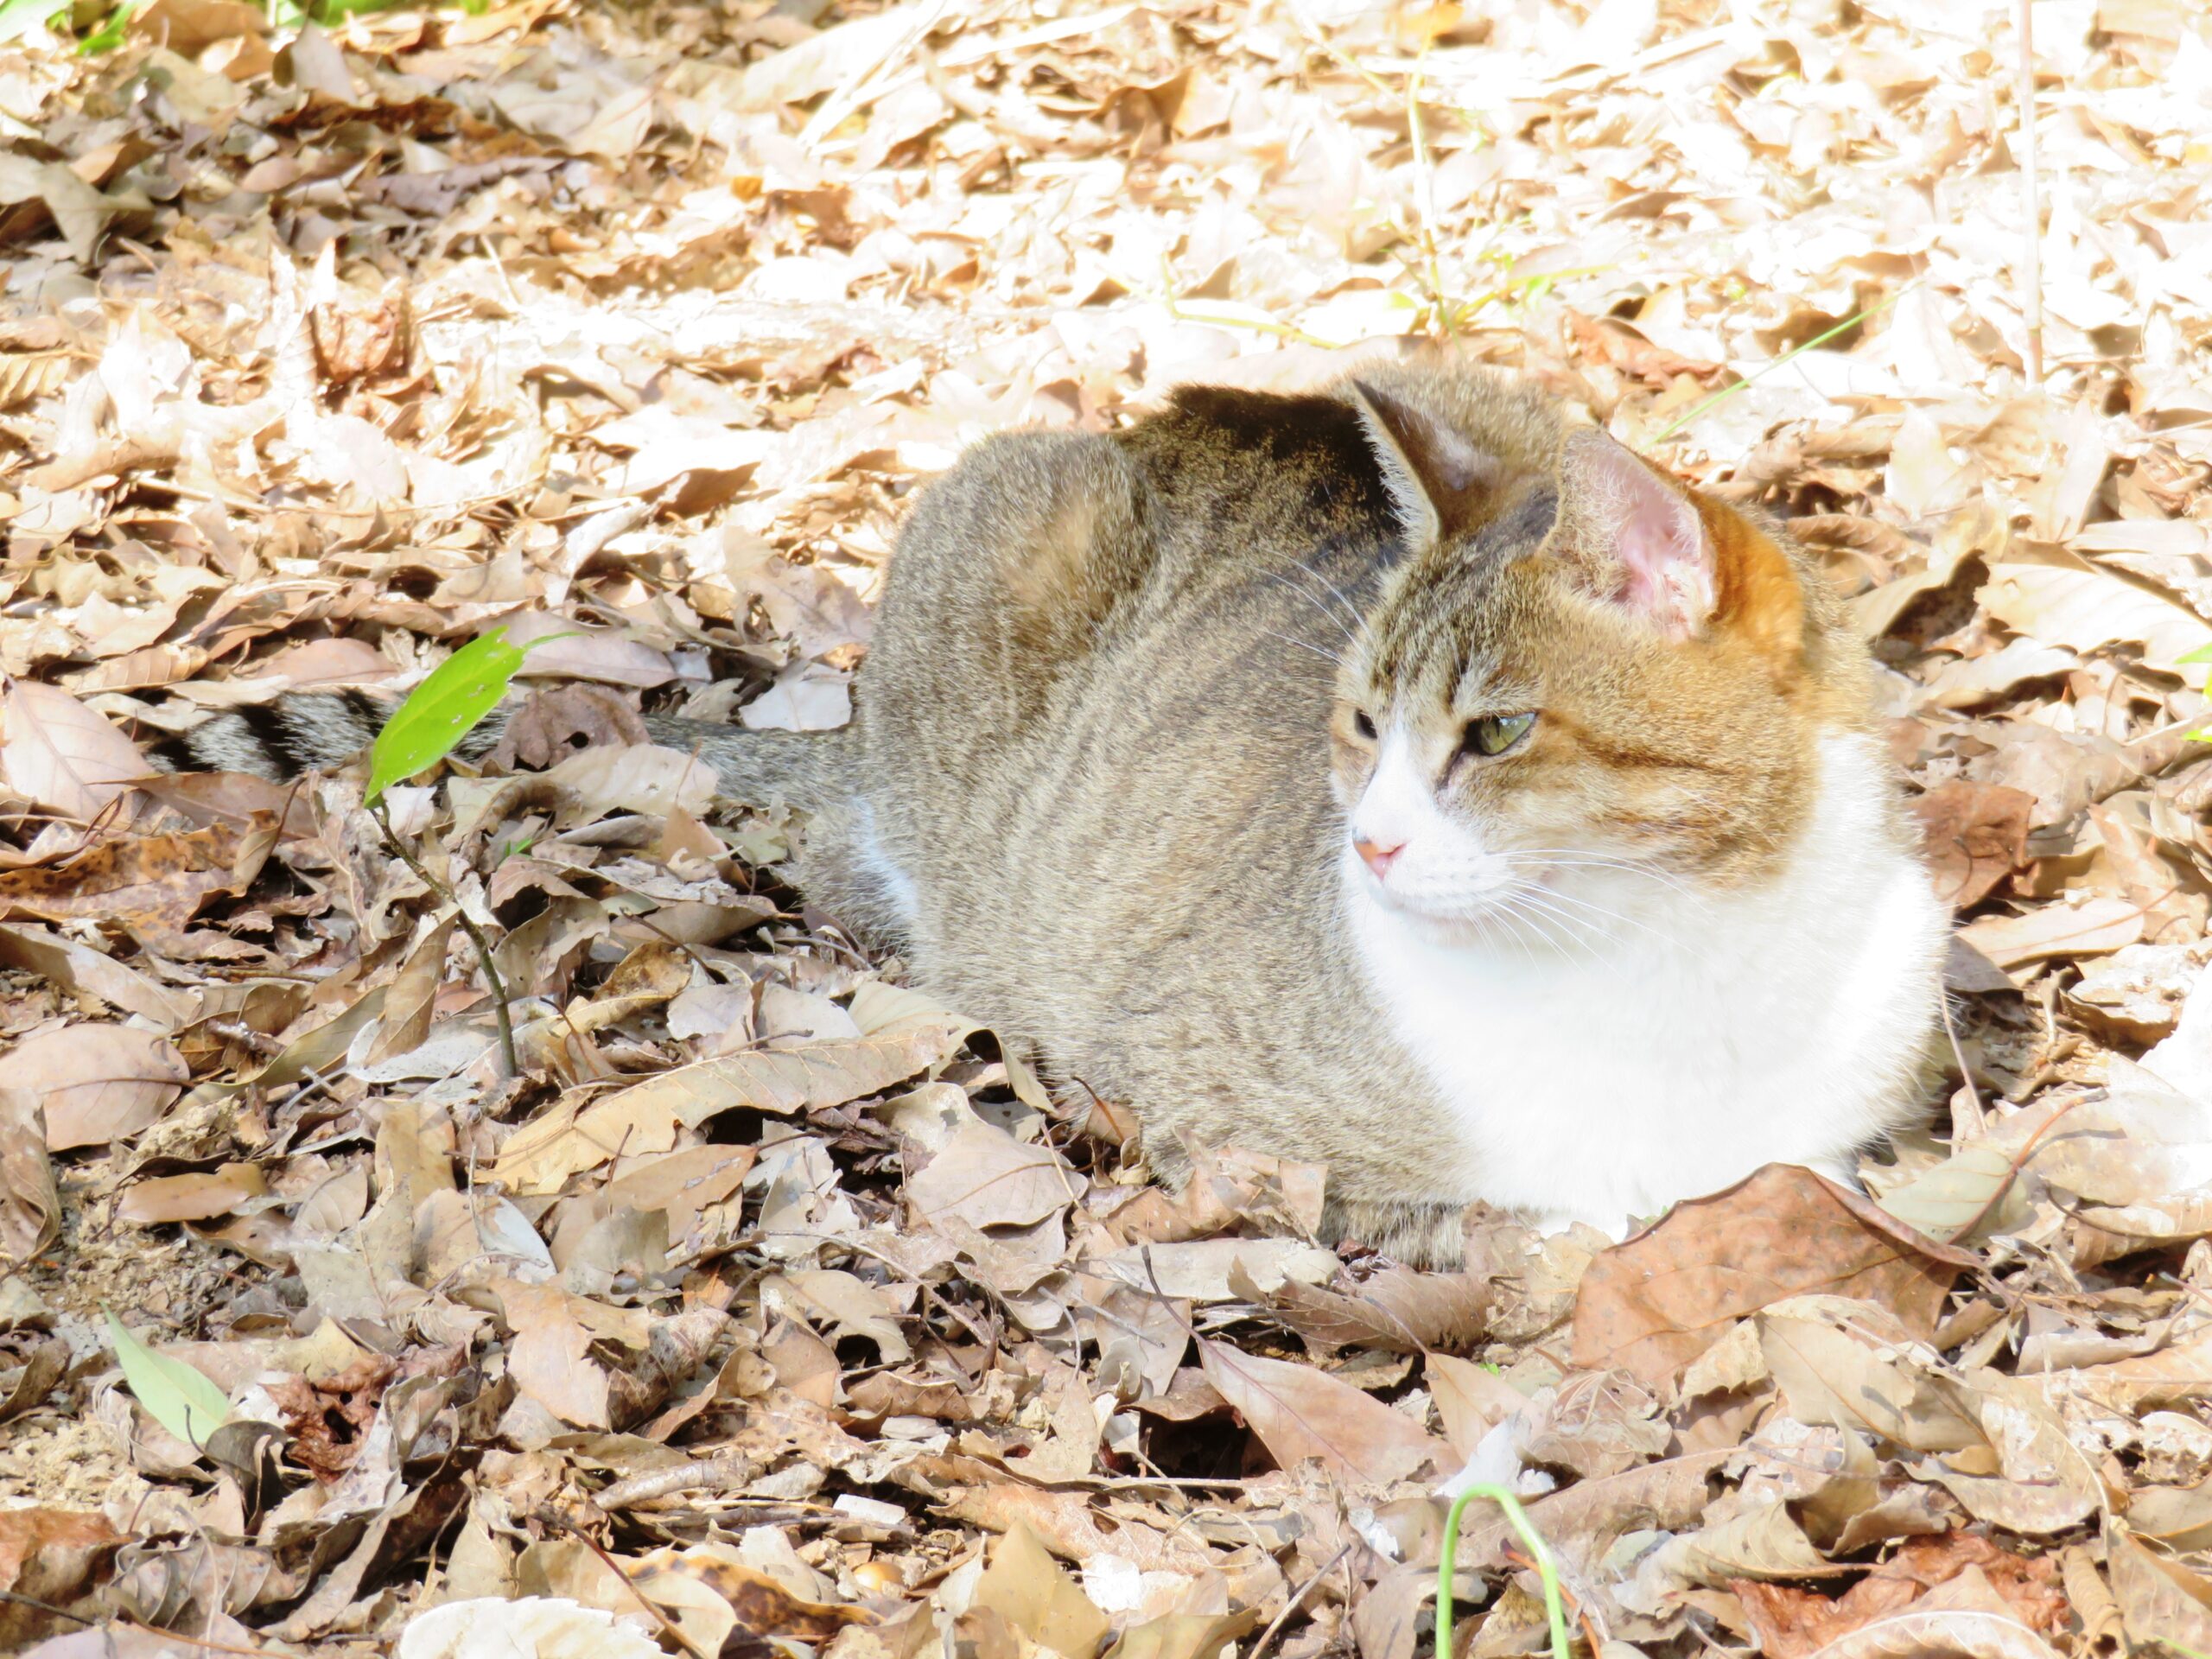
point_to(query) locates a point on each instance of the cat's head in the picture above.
(1587, 685)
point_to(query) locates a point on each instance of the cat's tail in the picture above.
(309, 731)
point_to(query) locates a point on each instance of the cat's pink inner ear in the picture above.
(1643, 533)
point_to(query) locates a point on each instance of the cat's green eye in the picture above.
(1496, 734)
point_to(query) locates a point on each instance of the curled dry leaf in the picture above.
(759, 1604)
(1667, 1495)
(1398, 1309)
(1652, 1305)
(30, 1205)
(553, 723)
(50, 1558)
(152, 885)
(1301, 1412)
(644, 1118)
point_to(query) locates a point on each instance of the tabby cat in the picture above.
(1390, 778)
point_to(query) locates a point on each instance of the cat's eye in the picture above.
(1496, 734)
(1361, 723)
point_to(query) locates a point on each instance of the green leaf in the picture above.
(22, 17)
(109, 34)
(2202, 654)
(180, 1399)
(442, 710)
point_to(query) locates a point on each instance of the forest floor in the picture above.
(770, 1307)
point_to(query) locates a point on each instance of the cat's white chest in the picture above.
(1699, 1042)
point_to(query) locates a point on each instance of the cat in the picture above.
(1389, 777)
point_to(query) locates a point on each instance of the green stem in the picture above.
(1726, 392)
(1547, 1569)
(393, 845)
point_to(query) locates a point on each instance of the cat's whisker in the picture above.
(1565, 859)
(1510, 904)
(1342, 597)
(1306, 645)
(1557, 896)
(1306, 593)
(1499, 914)
(1586, 931)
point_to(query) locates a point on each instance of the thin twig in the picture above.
(607, 1562)
(1276, 1625)
(468, 925)
(1966, 1071)
(2019, 1160)
(2024, 95)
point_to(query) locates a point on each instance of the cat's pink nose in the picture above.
(1377, 858)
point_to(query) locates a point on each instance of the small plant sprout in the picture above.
(1538, 1555)
(422, 731)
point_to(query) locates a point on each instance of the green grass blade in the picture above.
(178, 1396)
(1547, 1569)
(1795, 352)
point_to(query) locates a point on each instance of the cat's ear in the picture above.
(1687, 565)
(1441, 481)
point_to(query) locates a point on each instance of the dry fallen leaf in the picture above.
(1654, 1304)
(55, 751)
(1301, 1412)
(97, 1083)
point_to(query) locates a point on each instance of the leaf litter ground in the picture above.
(772, 1306)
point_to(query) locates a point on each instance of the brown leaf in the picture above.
(1299, 1413)
(97, 1083)
(30, 1203)
(763, 1607)
(80, 967)
(1399, 1310)
(1793, 1624)
(61, 754)
(1472, 1400)
(555, 722)
(50, 1558)
(152, 885)
(2088, 929)
(196, 1196)
(644, 1118)
(989, 1178)
(1669, 1494)
(1031, 1591)
(1973, 835)
(1184, 1635)
(1067, 1523)
(549, 1355)
(2160, 1600)
(1654, 1304)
